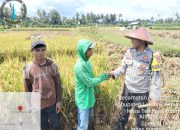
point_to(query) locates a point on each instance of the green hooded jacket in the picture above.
(84, 78)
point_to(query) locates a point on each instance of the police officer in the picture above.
(141, 67)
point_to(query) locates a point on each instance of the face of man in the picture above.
(89, 53)
(39, 53)
(136, 44)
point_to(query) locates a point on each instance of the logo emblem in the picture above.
(145, 58)
(13, 11)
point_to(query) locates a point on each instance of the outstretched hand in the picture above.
(110, 74)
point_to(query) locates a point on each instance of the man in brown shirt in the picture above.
(41, 75)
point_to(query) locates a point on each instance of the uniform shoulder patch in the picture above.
(156, 62)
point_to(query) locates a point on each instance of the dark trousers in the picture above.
(134, 99)
(50, 120)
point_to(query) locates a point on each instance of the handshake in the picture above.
(111, 75)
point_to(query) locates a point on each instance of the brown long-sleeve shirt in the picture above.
(44, 79)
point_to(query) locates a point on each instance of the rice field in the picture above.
(61, 47)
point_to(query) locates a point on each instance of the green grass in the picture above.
(166, 27)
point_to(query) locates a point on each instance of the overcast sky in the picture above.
(131, 9)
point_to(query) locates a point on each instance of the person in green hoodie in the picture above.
(85, 83)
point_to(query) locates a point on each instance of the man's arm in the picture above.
(155, 86)
(59, 90)
(156, 80)
(90, 81)
(27, 83)
(57, 80)
(121, 69)
(58, 87)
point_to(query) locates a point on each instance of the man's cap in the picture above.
(37, 43)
